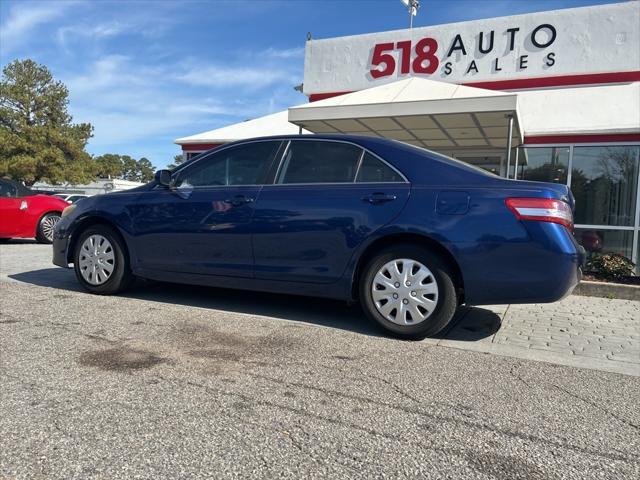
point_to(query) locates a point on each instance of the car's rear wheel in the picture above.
(44, 232)
(409, 292)
(100, 261)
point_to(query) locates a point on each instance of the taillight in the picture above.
(542, 210)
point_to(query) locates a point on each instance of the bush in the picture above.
(611, 265)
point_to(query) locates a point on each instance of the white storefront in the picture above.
(561, 88)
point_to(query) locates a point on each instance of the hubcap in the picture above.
(96, 259)
(48, 225)
(405, 292)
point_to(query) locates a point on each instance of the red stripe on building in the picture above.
(559, 81)
(538, 82)
(559, 139)
(199, 147)
(314, 97)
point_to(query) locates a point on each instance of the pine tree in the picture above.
(177, 161)
(38, 140)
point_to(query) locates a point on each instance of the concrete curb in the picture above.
(608, 290)
(546, 356)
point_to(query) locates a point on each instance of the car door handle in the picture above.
(238, 200)
(376, 198)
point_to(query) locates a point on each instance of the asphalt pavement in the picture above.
(171, 381)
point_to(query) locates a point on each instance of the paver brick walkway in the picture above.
(587, 332)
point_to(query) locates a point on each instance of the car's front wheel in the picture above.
(100, 261)
(409, 292)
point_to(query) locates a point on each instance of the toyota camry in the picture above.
(407, 232)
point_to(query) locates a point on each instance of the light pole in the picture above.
(412, 8)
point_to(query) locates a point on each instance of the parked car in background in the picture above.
(71, 197)
(25, 213)
(409, 233)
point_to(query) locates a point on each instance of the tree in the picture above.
(38, 140)
(177, 161)
(129, 168)
(108, 165)
(111, 165)
(146, 170)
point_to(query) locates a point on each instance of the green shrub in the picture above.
(611, 265)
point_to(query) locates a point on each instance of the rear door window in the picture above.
(309, 161)
(374, 170)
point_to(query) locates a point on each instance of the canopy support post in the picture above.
(515, 169)
(510, 132)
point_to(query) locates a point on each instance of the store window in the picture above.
(604, 181)
(597, 241)
(543, 164)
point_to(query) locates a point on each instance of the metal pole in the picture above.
(636, 232)
(509, 144)
(515, 168)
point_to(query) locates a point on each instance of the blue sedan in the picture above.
(407, 232)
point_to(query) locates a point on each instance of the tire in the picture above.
(114, 257)
(44, 232)
(437, 293)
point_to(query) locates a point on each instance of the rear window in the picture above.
(446, 159)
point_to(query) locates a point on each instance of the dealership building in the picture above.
(550, 96)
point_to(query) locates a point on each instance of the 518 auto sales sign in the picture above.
(563, 42)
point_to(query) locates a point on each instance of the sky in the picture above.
(144, 73)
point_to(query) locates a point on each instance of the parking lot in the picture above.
(171, 381)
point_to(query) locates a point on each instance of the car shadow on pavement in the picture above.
(469, 324)
(318, 311)
(17, 241)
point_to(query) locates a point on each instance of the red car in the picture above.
(28, 214)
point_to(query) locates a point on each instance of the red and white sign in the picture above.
(579, 43)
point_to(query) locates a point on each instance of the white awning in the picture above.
(274, 124)
(419, 111)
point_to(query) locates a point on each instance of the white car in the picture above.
(70, 198)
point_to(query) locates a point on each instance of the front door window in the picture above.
(242, 165)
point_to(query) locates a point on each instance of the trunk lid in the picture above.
(550, 190)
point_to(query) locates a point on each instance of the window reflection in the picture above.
(604, 181)
(605, 241)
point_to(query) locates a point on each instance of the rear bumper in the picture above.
(535, 271)
(60, 246)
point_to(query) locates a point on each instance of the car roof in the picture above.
(380, 146)
(317, 136)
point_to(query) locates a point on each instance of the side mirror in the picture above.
(163, 178)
